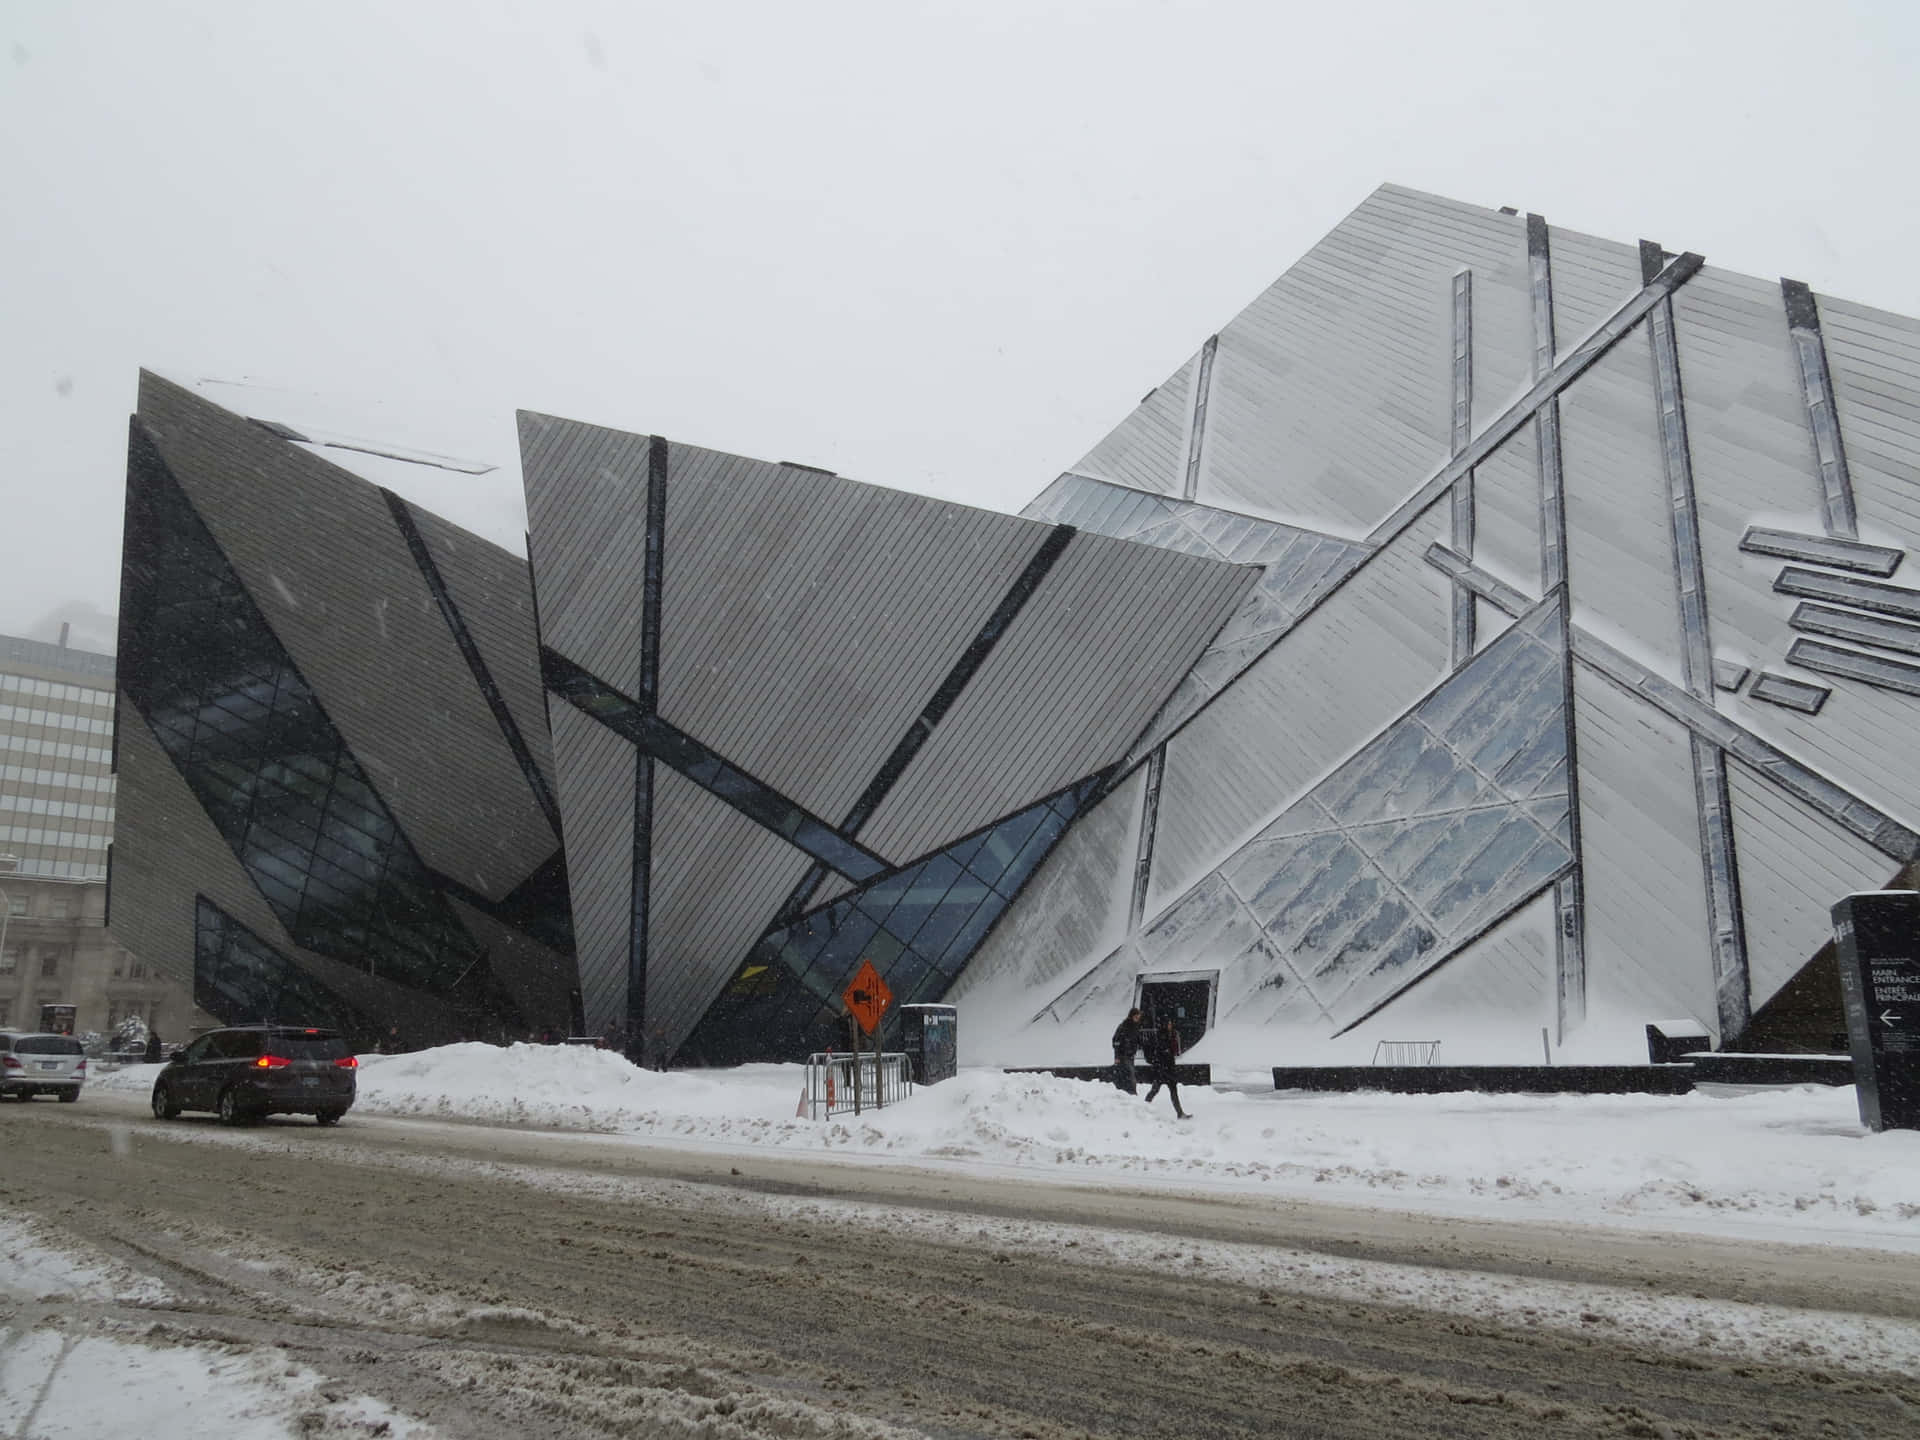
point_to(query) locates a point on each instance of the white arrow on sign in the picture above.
(1887, 1017)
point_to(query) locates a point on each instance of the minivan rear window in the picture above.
(311, 1047)
(48, 1045)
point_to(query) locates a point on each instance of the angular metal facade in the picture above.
(331, 737)
(1491, 627)
(1681, 494)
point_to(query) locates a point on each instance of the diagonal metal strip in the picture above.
(751, 796)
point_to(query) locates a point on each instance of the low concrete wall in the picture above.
(1182, 1074)
(1491, 1079)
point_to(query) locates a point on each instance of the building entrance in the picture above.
(1189, 999)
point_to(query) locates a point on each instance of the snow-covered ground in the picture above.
(1783, 1164)
(67, 1376)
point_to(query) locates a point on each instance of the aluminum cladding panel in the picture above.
(587, 515)
(1793, 865)
(1648, 942)
(494, 593)
(1874, 358)
(1355, 663)
(1076, 677)
(1332, 393)
(806, 620)
(596, 810)
(1148, 450)
(718, 878)
(325, 562)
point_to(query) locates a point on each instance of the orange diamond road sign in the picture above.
(867, 996)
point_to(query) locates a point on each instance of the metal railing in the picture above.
(1406, 1052)
(837, 1084)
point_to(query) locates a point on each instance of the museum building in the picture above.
(1492, 633)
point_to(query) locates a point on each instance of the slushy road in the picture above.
(502, 1282)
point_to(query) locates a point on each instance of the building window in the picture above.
(136, 969)
(50, 962)
(58, 909)
(10, 960)
(16, 905)
(119, 963)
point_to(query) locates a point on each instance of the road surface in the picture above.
(504, 1283)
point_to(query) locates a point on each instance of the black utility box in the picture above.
(928, 1035)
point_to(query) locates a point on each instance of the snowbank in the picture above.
(1796, 1162)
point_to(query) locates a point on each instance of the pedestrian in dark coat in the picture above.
(1163, 1048)
(153, 1047)
(1126, 1042)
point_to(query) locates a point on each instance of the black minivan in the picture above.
(248, 1071)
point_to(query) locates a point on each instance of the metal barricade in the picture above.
(1406, 1052)
(830, 1086)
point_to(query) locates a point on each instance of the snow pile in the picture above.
(54, 1386)
(33, 1267)
(1797, 1160)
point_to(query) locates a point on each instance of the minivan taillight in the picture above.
(81, 1068)
(347, 1062)
(10, 1062)
(272, 1062)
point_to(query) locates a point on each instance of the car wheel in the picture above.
(230, 1111)
(164, 1107)
(328, 1117)
(67, 1097)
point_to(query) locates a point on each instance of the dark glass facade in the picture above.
(242, 980)
(247, 733)
(919, 925)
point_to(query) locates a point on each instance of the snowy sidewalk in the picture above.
(1790, 1164)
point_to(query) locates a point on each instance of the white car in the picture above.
(33, 1065)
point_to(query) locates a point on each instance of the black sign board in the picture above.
(1877, 935)
(927, 1035)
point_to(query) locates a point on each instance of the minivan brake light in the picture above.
(272, 1062)
(347, 1062)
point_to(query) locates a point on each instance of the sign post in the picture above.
(1877, 940)
(867, 998)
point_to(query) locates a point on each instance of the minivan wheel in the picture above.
(163, 1106)
(67, 1097)
(328, 1117)
(230, 1111)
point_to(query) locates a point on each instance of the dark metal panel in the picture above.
(493, 591)
(717, 879)
(597, 771)
(1461, 437)
(1866, 629)
(321, 556)
(1829, 451)
(1197, 427)
(1794, 694)
(807, 620)
(1840, 553)
(1844, 590)
(1874, 670)
(1076, 676)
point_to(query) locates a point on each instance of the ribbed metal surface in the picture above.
(1619, 541)
(1072, 911)
(539, 979)
(1148, 450)
(1793, 864)
(1591, 277)
(1874, 360)
(1648, 936)
(717, 880)
(1365, 655)
(494, 594)
(807, 619)
(596, 807)
(586, 510)
(318, 550)
(167, 852)
(1073, 680)
(1331, 392)
(1506, 491)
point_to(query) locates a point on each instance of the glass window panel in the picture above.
(1032, 853)
(1289, 880)
(1001, 844)
(1363, 949)
(1485, 871)
(1341, 913)
(1465, 837)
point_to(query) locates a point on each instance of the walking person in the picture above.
(1126, 1042)
(1163, 1048)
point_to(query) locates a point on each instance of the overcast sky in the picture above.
(941, 246)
